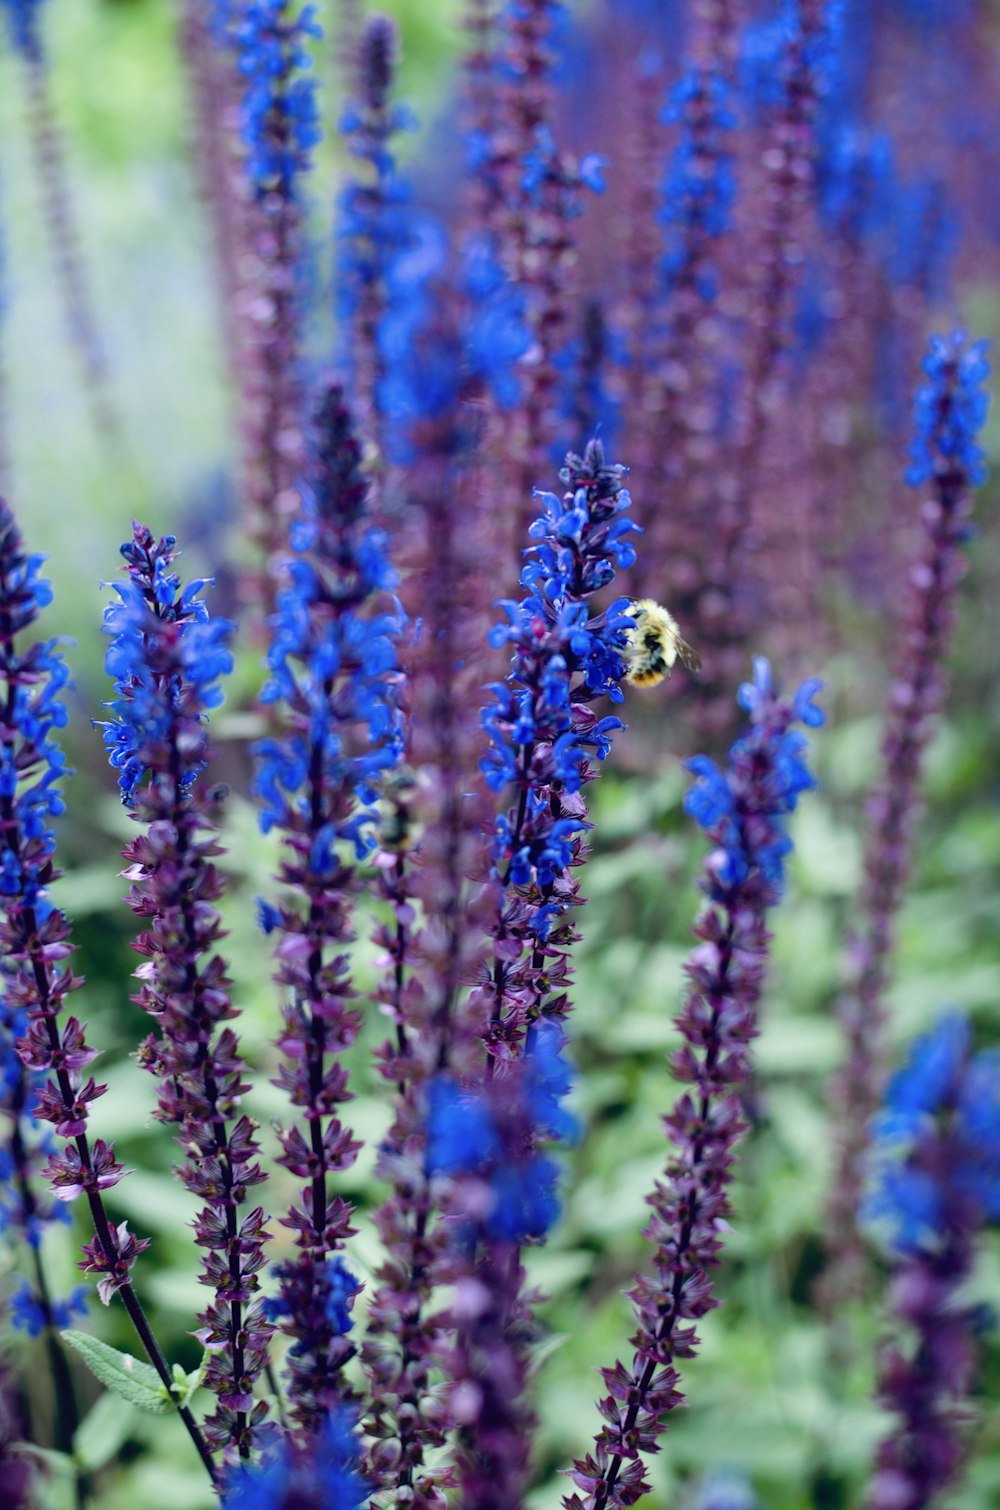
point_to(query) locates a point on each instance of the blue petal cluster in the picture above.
(22, 23)
(280, 123)
(311, 652)
(937, 1140)
(381, 242)
(443, 345)
(700, 185)
(541, 728)
(325, 1474)
(492, 1133)
(949, 411)
(745, 807)
(28, 1315)
(153, 707)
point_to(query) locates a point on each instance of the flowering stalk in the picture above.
(23, 19)
(541, 189)
(278, 128)
(743, 810)
(166, 657)
(35, 935)
(789, 165)
(696, 212)
(213, 83)
(501, 1193)
(935, 1181)
(374, 228)
(332, 672)
(950, 410)
(26, 1211)
(541, 728)
(433, 854)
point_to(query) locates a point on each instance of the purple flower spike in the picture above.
(499, 1192)
(934, 1180)
(949, 411)
(35, 937)
(376, 230)
(333, 679)
(167, 655)
(743, 810)
(22, 24)
(544, 733)
(268, 41)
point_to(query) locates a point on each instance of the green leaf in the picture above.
(102, 1432)
(131, 1380)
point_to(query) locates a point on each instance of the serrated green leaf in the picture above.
(131, 1380)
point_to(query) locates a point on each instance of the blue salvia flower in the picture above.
(913, 1191)
(279, 119)
(333, 683)
(958, 371)
(491, 1135)
(439, 361)
(324, 1473)
(700, 185)
(923, 237)
(28, 1314)
(934, 1183)
(385, 253)
(714, 800)
(743, 809)
(22, 23)
(146, 715)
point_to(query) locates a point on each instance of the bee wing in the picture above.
(688, 656)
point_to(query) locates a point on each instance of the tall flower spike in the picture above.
(24, 26)
(540, 194)
(375, 228)
(934, 1182)
(27, 1209)
(785, 199)
(442, 363)
(35, 936)
(696, 213)
(166, 656)
(332, 680)
(743, 810)
(500, 1194)
(279, 128)
(949, 412)
(543, 732)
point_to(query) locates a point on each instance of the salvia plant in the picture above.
(593, 442)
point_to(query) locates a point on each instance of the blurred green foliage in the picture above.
(765, 1392)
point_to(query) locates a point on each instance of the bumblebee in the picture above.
(655, 645)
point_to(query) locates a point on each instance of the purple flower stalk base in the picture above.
(35, 939)
(949, 413)
(934, 1181)
(166, 656)
(332, 668)
(743, 810)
